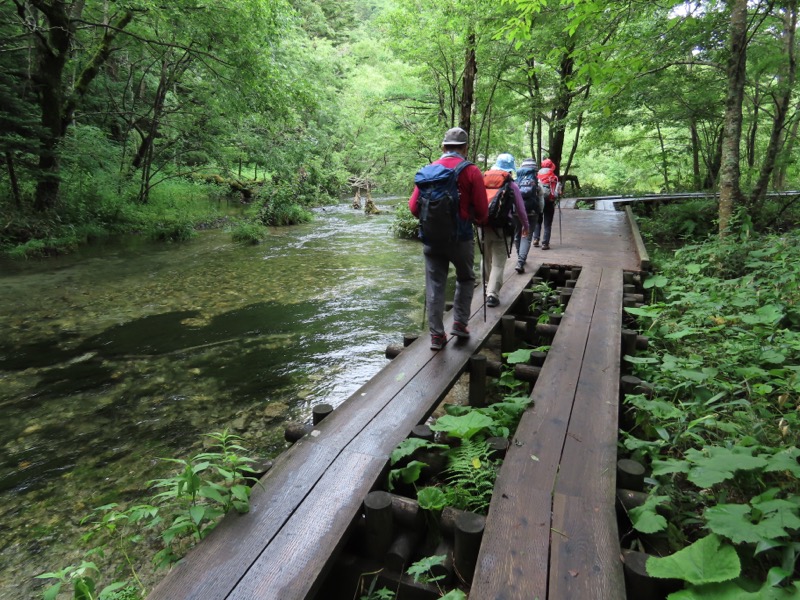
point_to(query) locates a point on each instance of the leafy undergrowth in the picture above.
(720, 431)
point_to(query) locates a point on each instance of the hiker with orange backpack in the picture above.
(505, 205)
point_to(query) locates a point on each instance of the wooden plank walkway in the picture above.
(552, 521)
(284, 547)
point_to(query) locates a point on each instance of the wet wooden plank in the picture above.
(512, 563)
(299, 556)
(588, 464)
(638, 242)
(585, 554)
(591, 238)
(581, 563)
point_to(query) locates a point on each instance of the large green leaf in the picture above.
(431, 498)
(763, 522)
(705, 561)
(523, 355)
(463, 427)
(645, 518)
(730, 590)
(410, 445)
(715, 464)
(784, 460)
(768, 314)
(670, 466)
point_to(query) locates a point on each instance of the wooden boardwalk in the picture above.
(546, 537)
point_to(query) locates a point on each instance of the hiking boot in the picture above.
(492, 301)
(520, 268)
(545, 246)
(536, 243)
(460, 330)
(438, 341)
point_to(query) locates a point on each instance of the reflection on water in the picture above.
(119, 355)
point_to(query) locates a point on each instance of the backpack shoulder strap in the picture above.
(460, 167)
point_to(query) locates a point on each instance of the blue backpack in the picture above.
(439, 222)
(529, 188)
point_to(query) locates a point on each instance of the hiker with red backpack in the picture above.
(505, 206)
(449, 196)
(549, 191)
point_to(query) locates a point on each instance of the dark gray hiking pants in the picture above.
(437, 266)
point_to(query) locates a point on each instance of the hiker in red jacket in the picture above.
(549, 190)
(461, 252)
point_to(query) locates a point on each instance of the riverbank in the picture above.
(121, 354)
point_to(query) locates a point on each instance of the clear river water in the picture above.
(122, 354)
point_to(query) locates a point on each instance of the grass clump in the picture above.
(248, 232)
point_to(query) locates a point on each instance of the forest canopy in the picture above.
(110, 108)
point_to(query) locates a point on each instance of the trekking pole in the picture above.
(559, 222)
(483, 269)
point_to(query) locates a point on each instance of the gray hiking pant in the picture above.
(523, 244)
(495, 253)
(437, 265)
(546, 219)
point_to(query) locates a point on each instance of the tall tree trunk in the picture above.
(752, 132)
(562, 104)
(714, 163)
(574, 149)
(779, 180)
(52, 50)
(533, 94)
(12, 178)
(664, 169)
(783, 97)
(468, 87)
(149, 135)
(729, 190)
(696, 178)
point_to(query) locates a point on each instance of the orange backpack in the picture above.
(499, 197)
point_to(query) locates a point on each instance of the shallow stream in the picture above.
(122, 354)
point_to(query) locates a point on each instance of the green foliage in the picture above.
(421, 570)
(471, 473)
(410, 445)
(724, 360)
(381, 594)
(247, 232)
(411, 471)
(464, 426)
(178, 230)
(708, 560)
(431, 498)
(645, 518)
(468, 480)
(82, 581)
(675, 223)
(407, 474)
(405, 225)
(279, 206)
(209, 485)
(545, 299)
